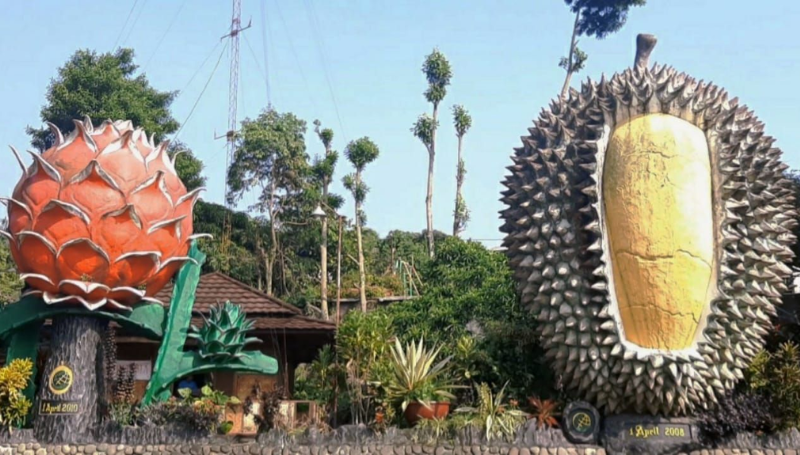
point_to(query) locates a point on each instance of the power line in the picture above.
(197, 71)
(296, 58)
(135, 21)
(258, 65)
(124, 25)
(161, 40)
(264, 29)
(315, 26)
(211, 76)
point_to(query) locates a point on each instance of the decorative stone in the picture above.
(581, 423)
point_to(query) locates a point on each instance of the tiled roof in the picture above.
(217, 287)
(291, 323)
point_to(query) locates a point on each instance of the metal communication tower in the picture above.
(233, 91)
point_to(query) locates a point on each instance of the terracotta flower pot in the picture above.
(416, 411)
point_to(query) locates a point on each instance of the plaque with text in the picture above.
(55, 407)
(630, 433)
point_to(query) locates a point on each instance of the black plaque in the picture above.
(581, 423)
(638, 434)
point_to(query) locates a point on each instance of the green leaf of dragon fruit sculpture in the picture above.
(223, 335)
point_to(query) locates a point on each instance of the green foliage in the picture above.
(203, 413)
(271, 157)
(319, 380)
(356, 187)
(104, 86)
(777, 375)
(223, 335)
(415, 377)
(600, 18)
(469, 291)
(14, 378)
(188, 167)
(424, 129)
(361, 152)
(438, 73)
(461, 120)
(10, 284)
(497, 418)
(579, 58)
(794, 182)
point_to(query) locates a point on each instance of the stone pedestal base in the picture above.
(640, 434)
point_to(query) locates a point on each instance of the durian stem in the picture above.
(644, 46)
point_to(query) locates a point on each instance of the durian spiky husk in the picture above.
(555, 243)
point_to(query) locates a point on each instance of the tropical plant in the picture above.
(438, 73)
(323, 171)
(462, 122)
(14, 406)
(598, 18)
(415, 377)
(544, 412)
(10, 283)
(497, 418)
(360, 153)
(268, 414)
(777, 375)
(223, 335)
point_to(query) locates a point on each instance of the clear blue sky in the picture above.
(504, 56)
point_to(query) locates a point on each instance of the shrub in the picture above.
(202, 413)
(777, 375)
(415, 376)
(493, 415)
(544, 412)
(741, 412)
(14, 407)
(268, 415)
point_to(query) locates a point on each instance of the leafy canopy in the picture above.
(424, 128)
(271, 156)
(437, 70)
(461, 120)
(104, 86)
(361, 152)
(188, 167)
(600, 18)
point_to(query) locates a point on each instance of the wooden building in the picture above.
(285, 333)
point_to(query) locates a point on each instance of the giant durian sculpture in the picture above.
(648, 224)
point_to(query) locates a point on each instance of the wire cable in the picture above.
(125, 24)
(197, 71)
(135, 21)
(296, 58)
(214, 71)
(161, 40)
(258, 65)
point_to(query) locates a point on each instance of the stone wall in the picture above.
(341, 449)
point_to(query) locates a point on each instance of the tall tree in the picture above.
(323, 171)
(188, 166)
(438, 73)
(360, 153)
(593, 18)
(271, 158)
(103, 86)
(10, 284)
(462, 122)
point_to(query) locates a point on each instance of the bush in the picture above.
(777, 375)
(202, 413)
(14, 407)
(741, 412)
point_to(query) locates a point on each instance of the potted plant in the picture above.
(422, 387)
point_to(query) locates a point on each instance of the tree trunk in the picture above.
(459, 182)
(429, 196)
(67, 405)
(572, 43)
(339, 276)
(323, 257)
(362, 291)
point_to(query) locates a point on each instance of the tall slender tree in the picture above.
(271, 158)
(438, 73)
(462, 122)
(323, 170)
(593, 18)
(360, 153)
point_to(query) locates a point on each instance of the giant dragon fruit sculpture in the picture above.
(100, 218)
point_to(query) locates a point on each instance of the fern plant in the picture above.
(497, 418)
(777, 374)
(14, 407)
